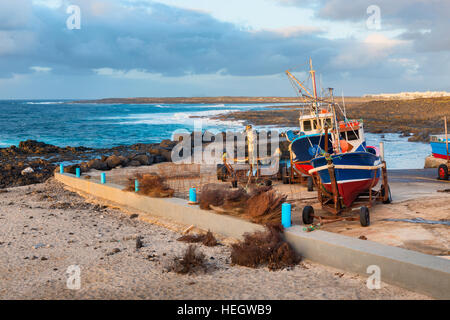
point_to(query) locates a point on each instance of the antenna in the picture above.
(343, 103)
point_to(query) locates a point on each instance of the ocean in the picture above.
(63, 124)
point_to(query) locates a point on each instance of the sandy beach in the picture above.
(45, 229)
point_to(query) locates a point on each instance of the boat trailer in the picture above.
(332, 202)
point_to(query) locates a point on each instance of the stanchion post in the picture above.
(286, 215)
(192, 196)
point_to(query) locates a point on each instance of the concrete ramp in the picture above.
(411, 270)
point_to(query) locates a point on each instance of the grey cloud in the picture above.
(158, 39)
(414, 16)
(161, 39)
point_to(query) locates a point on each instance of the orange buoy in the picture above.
(344, 145)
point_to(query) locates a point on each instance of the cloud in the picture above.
(155, 38)
(126, 41)
(296, 31)
(426, 22)
(41, 69)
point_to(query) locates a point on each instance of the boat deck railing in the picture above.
(438, 138)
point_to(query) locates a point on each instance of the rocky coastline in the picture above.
(34, 162)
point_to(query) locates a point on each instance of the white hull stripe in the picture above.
(348, 181)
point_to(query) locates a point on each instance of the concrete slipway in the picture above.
(411, 270)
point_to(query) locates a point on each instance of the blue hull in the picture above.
(351, 182)
(305, 148)
(439, 149)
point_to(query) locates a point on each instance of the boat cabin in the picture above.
(311, 124)
(351, 135)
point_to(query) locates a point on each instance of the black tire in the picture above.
(308, 215)
(285, 177)
(267, 182)
(364, 217)
(383, 190)
(310, 183)
(443, 172)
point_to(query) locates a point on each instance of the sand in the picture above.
(67, 231)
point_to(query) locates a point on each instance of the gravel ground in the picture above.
(44, 229)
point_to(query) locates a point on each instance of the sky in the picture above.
(167, 48)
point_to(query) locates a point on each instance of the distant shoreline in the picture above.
(196, 100)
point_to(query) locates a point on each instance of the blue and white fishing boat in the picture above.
(355, 173)
(440, 149)
(320, 115)
(439, 146)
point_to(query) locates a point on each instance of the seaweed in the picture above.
(191, 261)
(264, 248)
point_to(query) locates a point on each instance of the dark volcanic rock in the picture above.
(144, 159)
(167, 144)
(32, 146)
(97, 164)
(134, 163)
(113, 161)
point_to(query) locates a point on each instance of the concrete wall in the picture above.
(173, 208)
(408, 269)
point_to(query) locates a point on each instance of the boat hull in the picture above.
(351, 182)
(439, 149)
(305, 148)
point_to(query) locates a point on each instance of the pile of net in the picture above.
(258, 204)
(151, 185)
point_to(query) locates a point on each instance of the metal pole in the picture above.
(446, 138)
(382, 151)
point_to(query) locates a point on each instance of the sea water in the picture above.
(63, 124)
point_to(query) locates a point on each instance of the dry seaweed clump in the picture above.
(260, 204)
(264, 205)
(207, 239)
(150, 184)
(264, 248)
(191, 262)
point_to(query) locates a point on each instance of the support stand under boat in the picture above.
(332, 202)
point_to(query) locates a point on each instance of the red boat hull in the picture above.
(440, 156)
(303, 168)
(349, 190)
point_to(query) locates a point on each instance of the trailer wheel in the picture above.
(443, 172)
(364, 216)
(308, 215)
(310, 183)
(383, 191)
(285, 175)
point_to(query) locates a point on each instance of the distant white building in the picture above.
(409, 95)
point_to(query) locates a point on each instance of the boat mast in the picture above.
(313, 78)
(336, 124)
